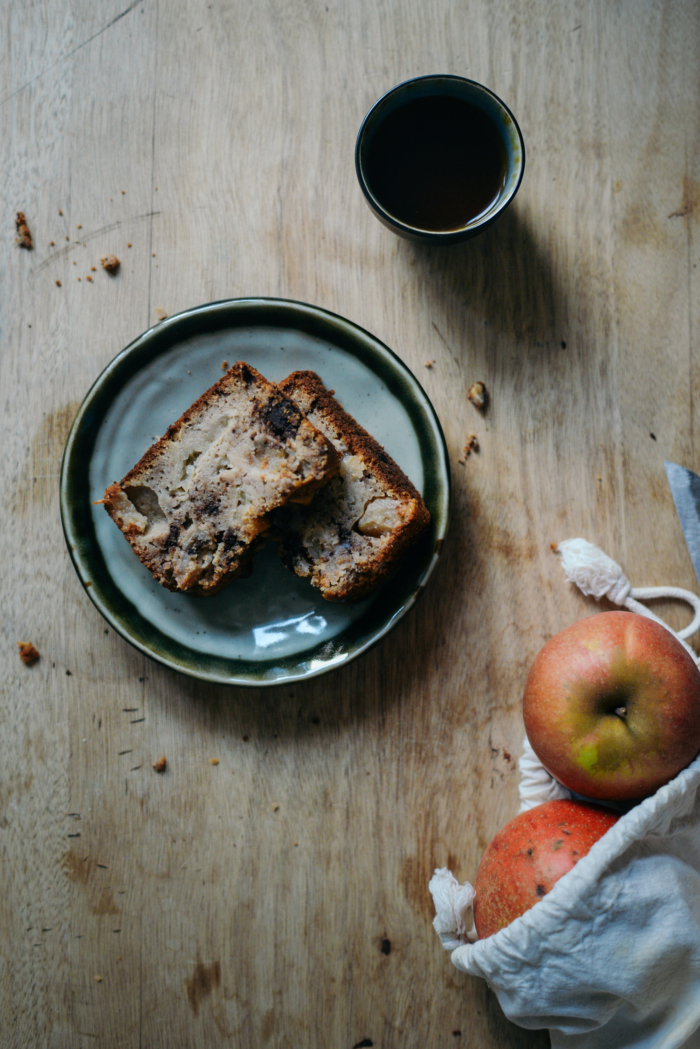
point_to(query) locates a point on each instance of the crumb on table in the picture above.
(27, 652)
(214, 761)
(471, 445)
(110, 263)
(24, 237)
(478, 395)
(160, 765)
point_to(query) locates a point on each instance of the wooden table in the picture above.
(279, 898)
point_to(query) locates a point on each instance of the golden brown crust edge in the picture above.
(307, 391)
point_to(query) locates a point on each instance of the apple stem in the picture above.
(621, 711)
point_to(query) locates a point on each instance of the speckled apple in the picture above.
(529, 855)
(612, 706)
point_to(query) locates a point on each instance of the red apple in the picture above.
(529, 855)
(612, 706)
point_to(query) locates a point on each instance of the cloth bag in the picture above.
(610, 958)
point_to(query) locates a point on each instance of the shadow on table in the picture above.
(504, 279)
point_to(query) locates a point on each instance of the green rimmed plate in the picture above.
(272, 627)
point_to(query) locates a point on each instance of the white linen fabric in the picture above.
(536, 785)
(610, 958)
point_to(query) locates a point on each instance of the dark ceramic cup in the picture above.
(438, 158)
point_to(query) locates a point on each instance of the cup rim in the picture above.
(418, 232)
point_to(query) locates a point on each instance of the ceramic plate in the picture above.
(272, 627)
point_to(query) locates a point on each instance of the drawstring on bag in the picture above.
(597, 575)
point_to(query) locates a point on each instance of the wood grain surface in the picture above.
(279, 898)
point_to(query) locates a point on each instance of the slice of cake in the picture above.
(197, 505)
(362, 522)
